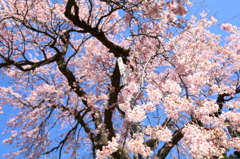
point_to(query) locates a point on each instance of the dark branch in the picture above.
(221, 99)
(164, 151)
(117, 50)
(113, 97)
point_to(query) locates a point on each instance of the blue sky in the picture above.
(223, 10)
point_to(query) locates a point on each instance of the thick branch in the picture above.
(20, 64)
(113, 96)
(117, 50)
(164, 151)
(120, 154)
(72, 81)
(221, 99)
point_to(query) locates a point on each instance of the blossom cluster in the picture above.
(204, 142)
(160, 133)
(136, 146)
(137, 114)
(234, 143)
(177, 9)
(109, 149)
(174, 104)
(206, 108)
(154, 94)
(233, 117)
(229, 27)
(149, 107)
(64, 71)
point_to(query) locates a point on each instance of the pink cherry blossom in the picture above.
(229, 28)
(137, 114)
(109, 149)
(136, 146)
(117, 79)
(149, 107)
(162, 134)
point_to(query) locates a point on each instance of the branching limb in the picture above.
(117, 50)
(164, 151)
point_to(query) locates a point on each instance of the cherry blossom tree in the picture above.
(120, 79)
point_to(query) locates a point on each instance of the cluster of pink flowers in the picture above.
(160, 133)
(234, 104)
(149, 107)
(136, 146)
(174, 104)
(177, 9)
(175, 75)
(125, 106)
(233, 117)
(222, 89)
(154, 94)
(203, 110)
(130, 90)
(234, 143)
(109, 149)
(198, 78)
(214, 21)
(189, 3)
(209, 120)
(204, 142)
(171, 87)
(207, 107)
(229, 28)
(137, 114)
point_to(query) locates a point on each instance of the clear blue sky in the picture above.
(223, 10)
(226, 11)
